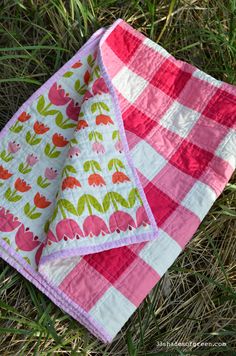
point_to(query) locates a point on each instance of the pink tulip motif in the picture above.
(68, 229)
(57, 96)
(50, 238)
(141, 217)
(12, 149)
(96, 137)
(7, 221)
(87, 96)
(100, 87)
(39, 253)
(121, 221)
(50, 174)
(25, 239)
(73, 152)
(26, 167)
(118, 144)
(94, 226)
(98, 147)
(73, 110)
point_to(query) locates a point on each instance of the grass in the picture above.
(195, 300)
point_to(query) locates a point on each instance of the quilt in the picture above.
(108, 169)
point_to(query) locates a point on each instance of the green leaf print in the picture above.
(50, 112)
(90, 136)
(90, 60)
(46, 226)
(32, 140)
(26, 209)
(27, 260)
(7, 240)
(7, 193)
(12, 195)
(119, 163)
(24, 170)
(68, 206)
(99, 135)
(94, 202)
(35, 216)
(110, 164)
(68, 74)
(80, 89)
(81, 205)
(55, 212)
(40, 104)
(115, 134)
(118, 197)
(86, 166)
(132, 197)
(47, 149)
(103, 106)
(96, 165)
(16, 129)
(6, 157)
(43, 182)
(55, 154)
(94, 107)
(64, 124)
(106, 202)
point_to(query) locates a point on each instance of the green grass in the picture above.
(195, 300)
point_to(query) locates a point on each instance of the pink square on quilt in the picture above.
(161, 204)
(181, 225)
(166, 181)
(84, 285)
(170, 79)
(123, 43)
(153, 102)
(207, 134)
(196, 93)
(216, 174)
(164, 141)
(191, 159)
(111, 263)
(117, 64)
(137, 281)
(222, 108)
(137, 122)
(147, 54)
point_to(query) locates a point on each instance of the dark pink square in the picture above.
(170, 79)
(160, 203)
(191, 159)
(222, 108)
(123, 43)
(137, 122)
(111, 263)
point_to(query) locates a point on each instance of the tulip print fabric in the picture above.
(107, 171)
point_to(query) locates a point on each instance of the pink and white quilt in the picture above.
(108, 169)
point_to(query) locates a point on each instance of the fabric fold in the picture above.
(107, 171)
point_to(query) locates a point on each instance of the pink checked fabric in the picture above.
(180, 127)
